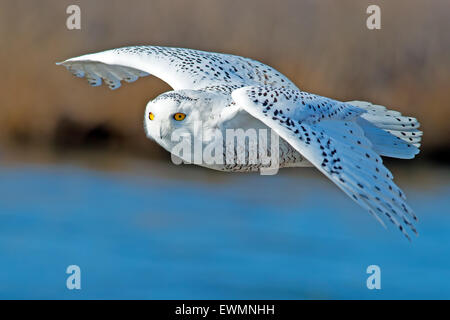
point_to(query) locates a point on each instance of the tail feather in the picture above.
(391, 134)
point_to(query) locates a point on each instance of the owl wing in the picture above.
(326, 133)
(180, 68)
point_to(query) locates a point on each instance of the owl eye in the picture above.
(151, 116)
(179, 116)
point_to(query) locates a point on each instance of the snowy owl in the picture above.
(344, 140)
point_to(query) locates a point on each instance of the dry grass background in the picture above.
(322, 45)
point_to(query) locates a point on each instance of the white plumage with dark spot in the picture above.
(344, 140)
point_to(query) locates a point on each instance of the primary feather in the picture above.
(180, 68)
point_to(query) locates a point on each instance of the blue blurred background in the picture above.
(160, 231)
(80, 184)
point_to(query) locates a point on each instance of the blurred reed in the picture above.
(323, 46)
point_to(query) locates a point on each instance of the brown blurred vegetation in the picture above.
(323, 46)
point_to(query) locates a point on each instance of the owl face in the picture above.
(168, 113)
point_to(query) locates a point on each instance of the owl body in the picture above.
(218, 134)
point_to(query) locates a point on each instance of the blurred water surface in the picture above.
(158, 231)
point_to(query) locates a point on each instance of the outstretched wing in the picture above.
(330, 138)
(180, 68)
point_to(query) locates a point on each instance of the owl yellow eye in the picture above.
(151, 116)
(179, 116)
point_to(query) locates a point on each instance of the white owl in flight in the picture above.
(344, 140)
